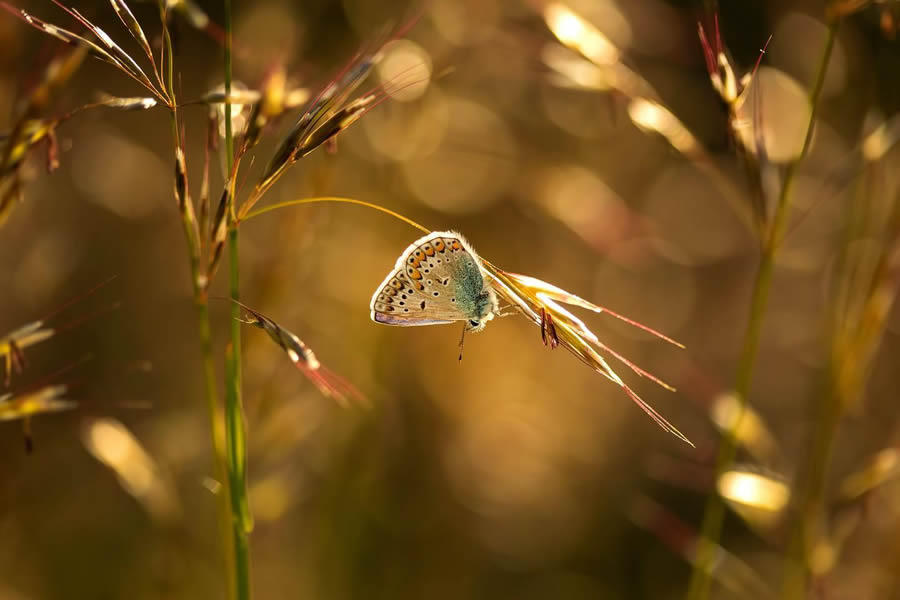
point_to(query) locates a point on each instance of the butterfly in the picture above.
(438, 279)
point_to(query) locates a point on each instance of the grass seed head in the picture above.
(327, 115)
(31, 127)
(723, 73)
(541, 303)
(326, 381)
(106, 50)
(14, 344)
(47, 399)
(274, 101)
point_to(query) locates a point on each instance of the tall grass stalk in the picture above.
(235, 433)
(714, 514)
(201, 304)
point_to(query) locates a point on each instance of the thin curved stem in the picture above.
(336, 200)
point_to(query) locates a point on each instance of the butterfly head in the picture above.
(484, 310)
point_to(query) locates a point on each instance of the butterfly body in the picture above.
(438, 279)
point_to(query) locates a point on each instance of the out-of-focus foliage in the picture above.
(580, 142)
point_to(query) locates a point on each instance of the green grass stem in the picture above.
(201, 305)
(235, 431)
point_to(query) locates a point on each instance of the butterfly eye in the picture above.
(474, 323)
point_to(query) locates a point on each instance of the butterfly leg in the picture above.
(462, 339)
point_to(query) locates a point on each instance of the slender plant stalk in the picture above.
(201, 304)
(235, 431)
(235, 434)
(714, 514)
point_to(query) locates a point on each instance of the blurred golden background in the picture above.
(578, 142)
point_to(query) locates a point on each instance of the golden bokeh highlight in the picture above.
(577, 33)
(405, 70)
(111, 443)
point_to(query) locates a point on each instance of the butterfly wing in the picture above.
(422, 288)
